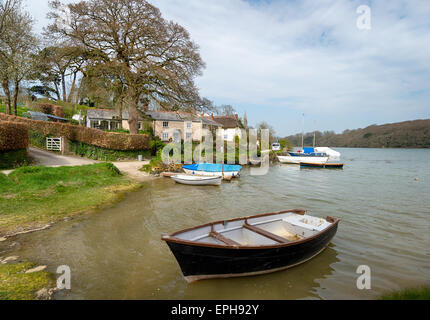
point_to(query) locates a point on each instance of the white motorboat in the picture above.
(196, 180)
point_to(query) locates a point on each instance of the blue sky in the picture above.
(278, 59)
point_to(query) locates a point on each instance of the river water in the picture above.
(381, 196)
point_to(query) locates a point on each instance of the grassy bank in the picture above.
(15, 284)
(408, 294)
(34, 196)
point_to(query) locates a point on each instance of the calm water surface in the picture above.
(382, 197)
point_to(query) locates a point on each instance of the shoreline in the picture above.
(23, 279)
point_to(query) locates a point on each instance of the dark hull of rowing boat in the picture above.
(199, 262)
(322, 165)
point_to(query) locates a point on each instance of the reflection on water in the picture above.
(118, 254)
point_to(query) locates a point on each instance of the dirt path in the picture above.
(131, 168)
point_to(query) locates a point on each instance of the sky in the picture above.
(279, 59)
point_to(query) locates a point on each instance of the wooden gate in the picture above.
(54, 144)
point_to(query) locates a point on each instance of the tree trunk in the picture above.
(121, 108)
(57, 92)
(133, 115)
(15, 97)
(73, 88)
(63, 87)
(5, 85)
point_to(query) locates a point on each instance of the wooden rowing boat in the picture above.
(197, 180)
(250, 246)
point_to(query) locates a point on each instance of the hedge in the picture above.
(14, 158)
(13, 136)
(98, 153)
(51, 109)
(96, 137)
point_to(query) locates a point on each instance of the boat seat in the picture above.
(265, 233)
(221, 238)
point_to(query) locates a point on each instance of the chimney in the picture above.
(235, 116)
(212, 117)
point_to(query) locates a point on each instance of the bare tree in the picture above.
(17, 45)
(226, 110)
(130, 40)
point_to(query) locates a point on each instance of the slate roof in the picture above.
(228, 122)
(109, 114)
(36, 115)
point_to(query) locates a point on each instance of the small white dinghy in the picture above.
(196, 180)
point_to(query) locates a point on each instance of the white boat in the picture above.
(211, 169)
(310, 155)
(296, 159)
(196, 180)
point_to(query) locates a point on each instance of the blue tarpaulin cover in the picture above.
(308, 150)
(212, 167)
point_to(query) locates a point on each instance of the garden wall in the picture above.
(95, 137)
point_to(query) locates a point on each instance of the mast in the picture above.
(303, 131)
(315, 129)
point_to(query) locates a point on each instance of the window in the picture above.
(165, 124)
(189, 125)
(204, 126)
(226, 137)
(189, 135)
(139, 125)
(165, 136)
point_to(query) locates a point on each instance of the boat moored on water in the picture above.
(197, 180)
(305, 155)
(250, 246)
(321, 165)
(213, 169)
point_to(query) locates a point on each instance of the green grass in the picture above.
(408, 294)
(20, 109)
(15, 284)
(35, 196)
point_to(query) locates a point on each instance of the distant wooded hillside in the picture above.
(408, 134)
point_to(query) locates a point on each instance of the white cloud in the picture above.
(278, 59)
(309, 56)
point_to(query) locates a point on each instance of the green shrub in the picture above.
(13, 159)
(98, 153)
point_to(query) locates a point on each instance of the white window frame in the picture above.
(164, 135)
(188, 135)
(189, 125)
(165, 124)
